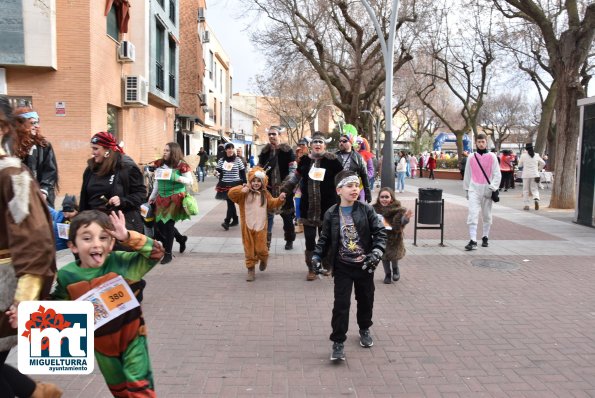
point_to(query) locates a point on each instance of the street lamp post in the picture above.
(387, 177)
(376, 122)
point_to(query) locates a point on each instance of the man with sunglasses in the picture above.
(351, 160)
(315, 175)
(278, 160)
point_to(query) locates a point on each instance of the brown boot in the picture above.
(46, 390)
(311, 276)
(251, 275)
(308, 257)
(263, 264)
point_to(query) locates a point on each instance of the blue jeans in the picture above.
(202, 173)
(401, 180)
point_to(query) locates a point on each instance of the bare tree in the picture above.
(295, 94)
(503, 114)
(337, 39)
(568, 30)
(460, 61)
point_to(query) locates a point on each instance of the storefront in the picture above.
(585, 203)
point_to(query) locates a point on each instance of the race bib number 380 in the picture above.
(110, 300)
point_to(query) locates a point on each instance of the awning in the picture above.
(225, 138)
(239, 142)
(210, 135)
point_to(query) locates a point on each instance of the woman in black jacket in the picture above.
(36, 152)
(112, 181)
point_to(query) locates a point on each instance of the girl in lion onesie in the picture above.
(254, 201)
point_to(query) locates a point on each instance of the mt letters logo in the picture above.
(56, 337)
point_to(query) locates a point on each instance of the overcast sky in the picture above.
(226, 21)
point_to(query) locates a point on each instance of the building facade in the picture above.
(117, 74)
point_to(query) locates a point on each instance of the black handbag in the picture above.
(496, 193)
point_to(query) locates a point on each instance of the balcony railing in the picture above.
(172, 85)
(159, 80)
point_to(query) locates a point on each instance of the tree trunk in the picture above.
(567, 132)
(547, 111)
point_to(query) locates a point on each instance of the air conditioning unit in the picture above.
(136, 91)
(126, 52)
(202, 98)
(201, 14)
(206, 109)
(206, 36)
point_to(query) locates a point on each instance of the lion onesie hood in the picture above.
(254, 206)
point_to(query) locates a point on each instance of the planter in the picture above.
(445, 174)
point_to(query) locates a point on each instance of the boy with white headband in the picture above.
(354, 240)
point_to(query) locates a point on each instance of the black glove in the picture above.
(371, 261)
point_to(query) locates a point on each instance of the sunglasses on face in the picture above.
(343, 141)
(319, 142)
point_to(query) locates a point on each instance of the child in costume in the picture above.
(353, 239)
(69, 210)
(395, 218)
(255, 201)
(121, 344)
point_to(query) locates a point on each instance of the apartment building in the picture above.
(190, 115)
(217, 89)
(89, 66)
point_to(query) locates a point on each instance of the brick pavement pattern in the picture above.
(446, 329)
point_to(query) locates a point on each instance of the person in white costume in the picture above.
(479, 189)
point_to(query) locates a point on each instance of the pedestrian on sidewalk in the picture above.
(354, 240)
(351, 160)
(231, 172)
(395, 217)
(315, 176)
(174, 182)
(482, 177)
(412, 165)
(278, 160)
(36, 152)
(27, 259)
(113, 181)
(121, 347)
(203, 157)
(507, 159)
(531, 163)
(432, 165)
(255, 201)
(401, 171)
(463, 163)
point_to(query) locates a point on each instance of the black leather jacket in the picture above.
(371, 231)
(43, 165)
(358, 165)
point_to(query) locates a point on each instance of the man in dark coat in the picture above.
(278, 160)
(351, 160)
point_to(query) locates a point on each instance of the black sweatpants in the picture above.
(12, 382)
(346, 277)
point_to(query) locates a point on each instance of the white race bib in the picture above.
(63, 230)
(163, 174)
(144, 210)
(227, 166)
(317, 173)
(110, 300)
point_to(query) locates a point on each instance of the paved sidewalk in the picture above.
(450, 328)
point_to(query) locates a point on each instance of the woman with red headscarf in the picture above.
(112, 181)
